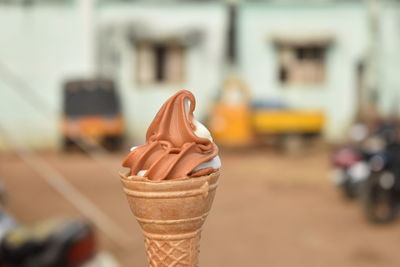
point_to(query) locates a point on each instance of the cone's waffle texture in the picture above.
(179, 250)
(171, 214)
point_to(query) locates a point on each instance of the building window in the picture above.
(159, 63)
(301, 64)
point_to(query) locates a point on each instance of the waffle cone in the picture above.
(171, 215)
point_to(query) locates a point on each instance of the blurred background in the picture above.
(300, 95)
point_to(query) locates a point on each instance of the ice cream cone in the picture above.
(171, 214)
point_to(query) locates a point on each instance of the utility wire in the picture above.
(42, 107)
(53, 177)
(58, 182)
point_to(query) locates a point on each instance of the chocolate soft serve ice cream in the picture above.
(172, 182)
(177, 146)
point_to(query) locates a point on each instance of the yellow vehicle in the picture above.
(91, 114)
(230, 120)
(287, 121)
(230, 125)
(235, 123)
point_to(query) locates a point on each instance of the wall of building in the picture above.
(345, 23)
(389, 58)
(203, 62)
(40, 46)
(46, 44)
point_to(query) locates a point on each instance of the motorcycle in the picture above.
(52, 243)
(350, 171)
(350, 167)
(370, 168)
(381, 194)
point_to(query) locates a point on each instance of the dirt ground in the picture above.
(270, 210)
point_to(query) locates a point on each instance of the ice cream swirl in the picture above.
(177, 146)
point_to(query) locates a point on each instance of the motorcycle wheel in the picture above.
(349, 189)
(380, 205)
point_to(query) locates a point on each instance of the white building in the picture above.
(309, 54)
(44, 43)
(314, 54)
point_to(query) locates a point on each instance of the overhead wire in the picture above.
(42, 107)
(51, 175)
